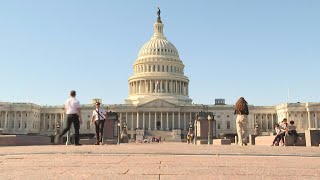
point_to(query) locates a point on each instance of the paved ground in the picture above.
(159, 161)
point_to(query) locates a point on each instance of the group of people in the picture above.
(72, 109)
(285, 129)
(282, 130)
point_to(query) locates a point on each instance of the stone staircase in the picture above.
(167, 135)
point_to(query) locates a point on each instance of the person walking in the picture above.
(72, 109)
(98, 118)
(242, 112)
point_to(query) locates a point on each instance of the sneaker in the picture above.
(78, 144)
(272, 144)
(96, 144)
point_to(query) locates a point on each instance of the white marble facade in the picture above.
(158, 101)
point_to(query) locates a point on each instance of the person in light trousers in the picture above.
(242, 112)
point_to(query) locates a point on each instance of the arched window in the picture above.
(228, 124)
(158, 68)
(154, 67)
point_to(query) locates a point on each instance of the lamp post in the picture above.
(209, 128)
(195, 131)
(124, 136)
(190, 130)
(118, 133)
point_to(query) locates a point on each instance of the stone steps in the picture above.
(167, 135)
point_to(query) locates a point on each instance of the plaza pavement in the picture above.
(159, 161)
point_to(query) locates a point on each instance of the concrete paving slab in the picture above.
(159, 161)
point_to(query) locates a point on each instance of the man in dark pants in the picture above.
(73, 112)
(98, 117)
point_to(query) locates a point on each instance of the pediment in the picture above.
(158, 103)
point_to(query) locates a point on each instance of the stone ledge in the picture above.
(267, 140)
(200, 142)
(221, 142)
(22, 140)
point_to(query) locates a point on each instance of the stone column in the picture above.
(267, 122)
(167, 121)
(150, 89)
(161, 86)
(20, 120)
(272, 119)
(127, 119)
(43, 120)
(299, 123)
(137, 87)
(180, 88)
(138, 120)
(315, 120)
(161, 122)
(184, 122)
(155, 121)
(120, 119)
(190, 117)
(55, 121)
(177, 87)
(132, 121)
(15, 120)
(187, 89)
(145, 86)
(179, 121)
(143, 121)
(173, 121)
(6, 120)
(309, 118)
(50, 123)
(166, 87)
(149, 128)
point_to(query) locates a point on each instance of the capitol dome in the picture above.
(158, 72)
(157, 46)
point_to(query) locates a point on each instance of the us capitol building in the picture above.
(158, 102)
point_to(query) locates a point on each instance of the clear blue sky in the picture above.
(255, 49)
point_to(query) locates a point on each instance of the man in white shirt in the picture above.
(73, 112)
(98, 117)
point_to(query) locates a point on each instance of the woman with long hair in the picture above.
(242, 112)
